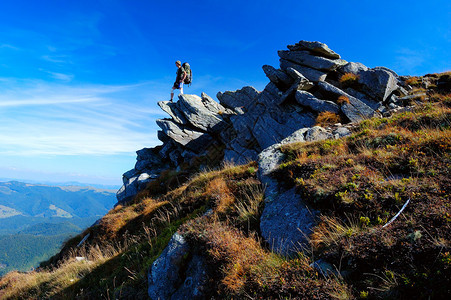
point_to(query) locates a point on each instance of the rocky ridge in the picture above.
(247, 121)
(251, 125)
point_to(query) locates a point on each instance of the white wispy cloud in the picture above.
(43, 118)
(59, 59)
(408, 60)
(59, 76)
(8, 46)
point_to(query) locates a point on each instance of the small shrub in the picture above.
(218, 190)
(349, 79)
(252, 170)
(342, 100)
(363, 295)
(413, 81)
(364, 221)
(327, 118)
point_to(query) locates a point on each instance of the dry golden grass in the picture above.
(327, 118)
(220, 193)
(349, 79)
(249, 205)
(240, 253)
(44, 284)
(330, 231)
(414, 80)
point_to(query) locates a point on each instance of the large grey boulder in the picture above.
(286, 223)
(286, 220)
(174, 276)
(185, 136)
(386, 69)
(355, 110)
(306, 99)
(172, 109)
(149, 165)
(378, 83)
(196, 280)
(277, 76)
(240, 98)
(317, 133)
(352, 67)
(270, 96)
(164, 277)
(304, 58)
(316, 48)
(238, 154)
(198, 115)
(296, 75)
(147, 158)
(133, 185)
(214, 106)
(268, 131)
(340, 132)
(311, 74)
(272, 127)
(128, 190)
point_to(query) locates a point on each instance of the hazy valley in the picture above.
(36, 219)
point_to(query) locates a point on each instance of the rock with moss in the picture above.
(286, 223)
(318, 133)
(176, 273)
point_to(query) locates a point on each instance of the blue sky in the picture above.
(79, 80)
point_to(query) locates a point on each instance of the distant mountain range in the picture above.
(33, 200)
(64, 183)
(35, 219)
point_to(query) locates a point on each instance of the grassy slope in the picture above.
(358, 183)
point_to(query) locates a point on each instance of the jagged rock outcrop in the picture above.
(246, 122)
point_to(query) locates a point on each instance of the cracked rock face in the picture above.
(167, 278)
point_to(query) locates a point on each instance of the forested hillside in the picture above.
(36, 219)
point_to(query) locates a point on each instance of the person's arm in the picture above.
(182, 78)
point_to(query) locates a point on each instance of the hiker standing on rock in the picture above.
(181, 75)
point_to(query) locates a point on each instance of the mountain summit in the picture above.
(312, 83)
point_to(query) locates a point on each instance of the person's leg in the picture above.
(181, 88)
(172, 93)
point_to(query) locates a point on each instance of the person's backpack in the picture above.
(189, 73)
